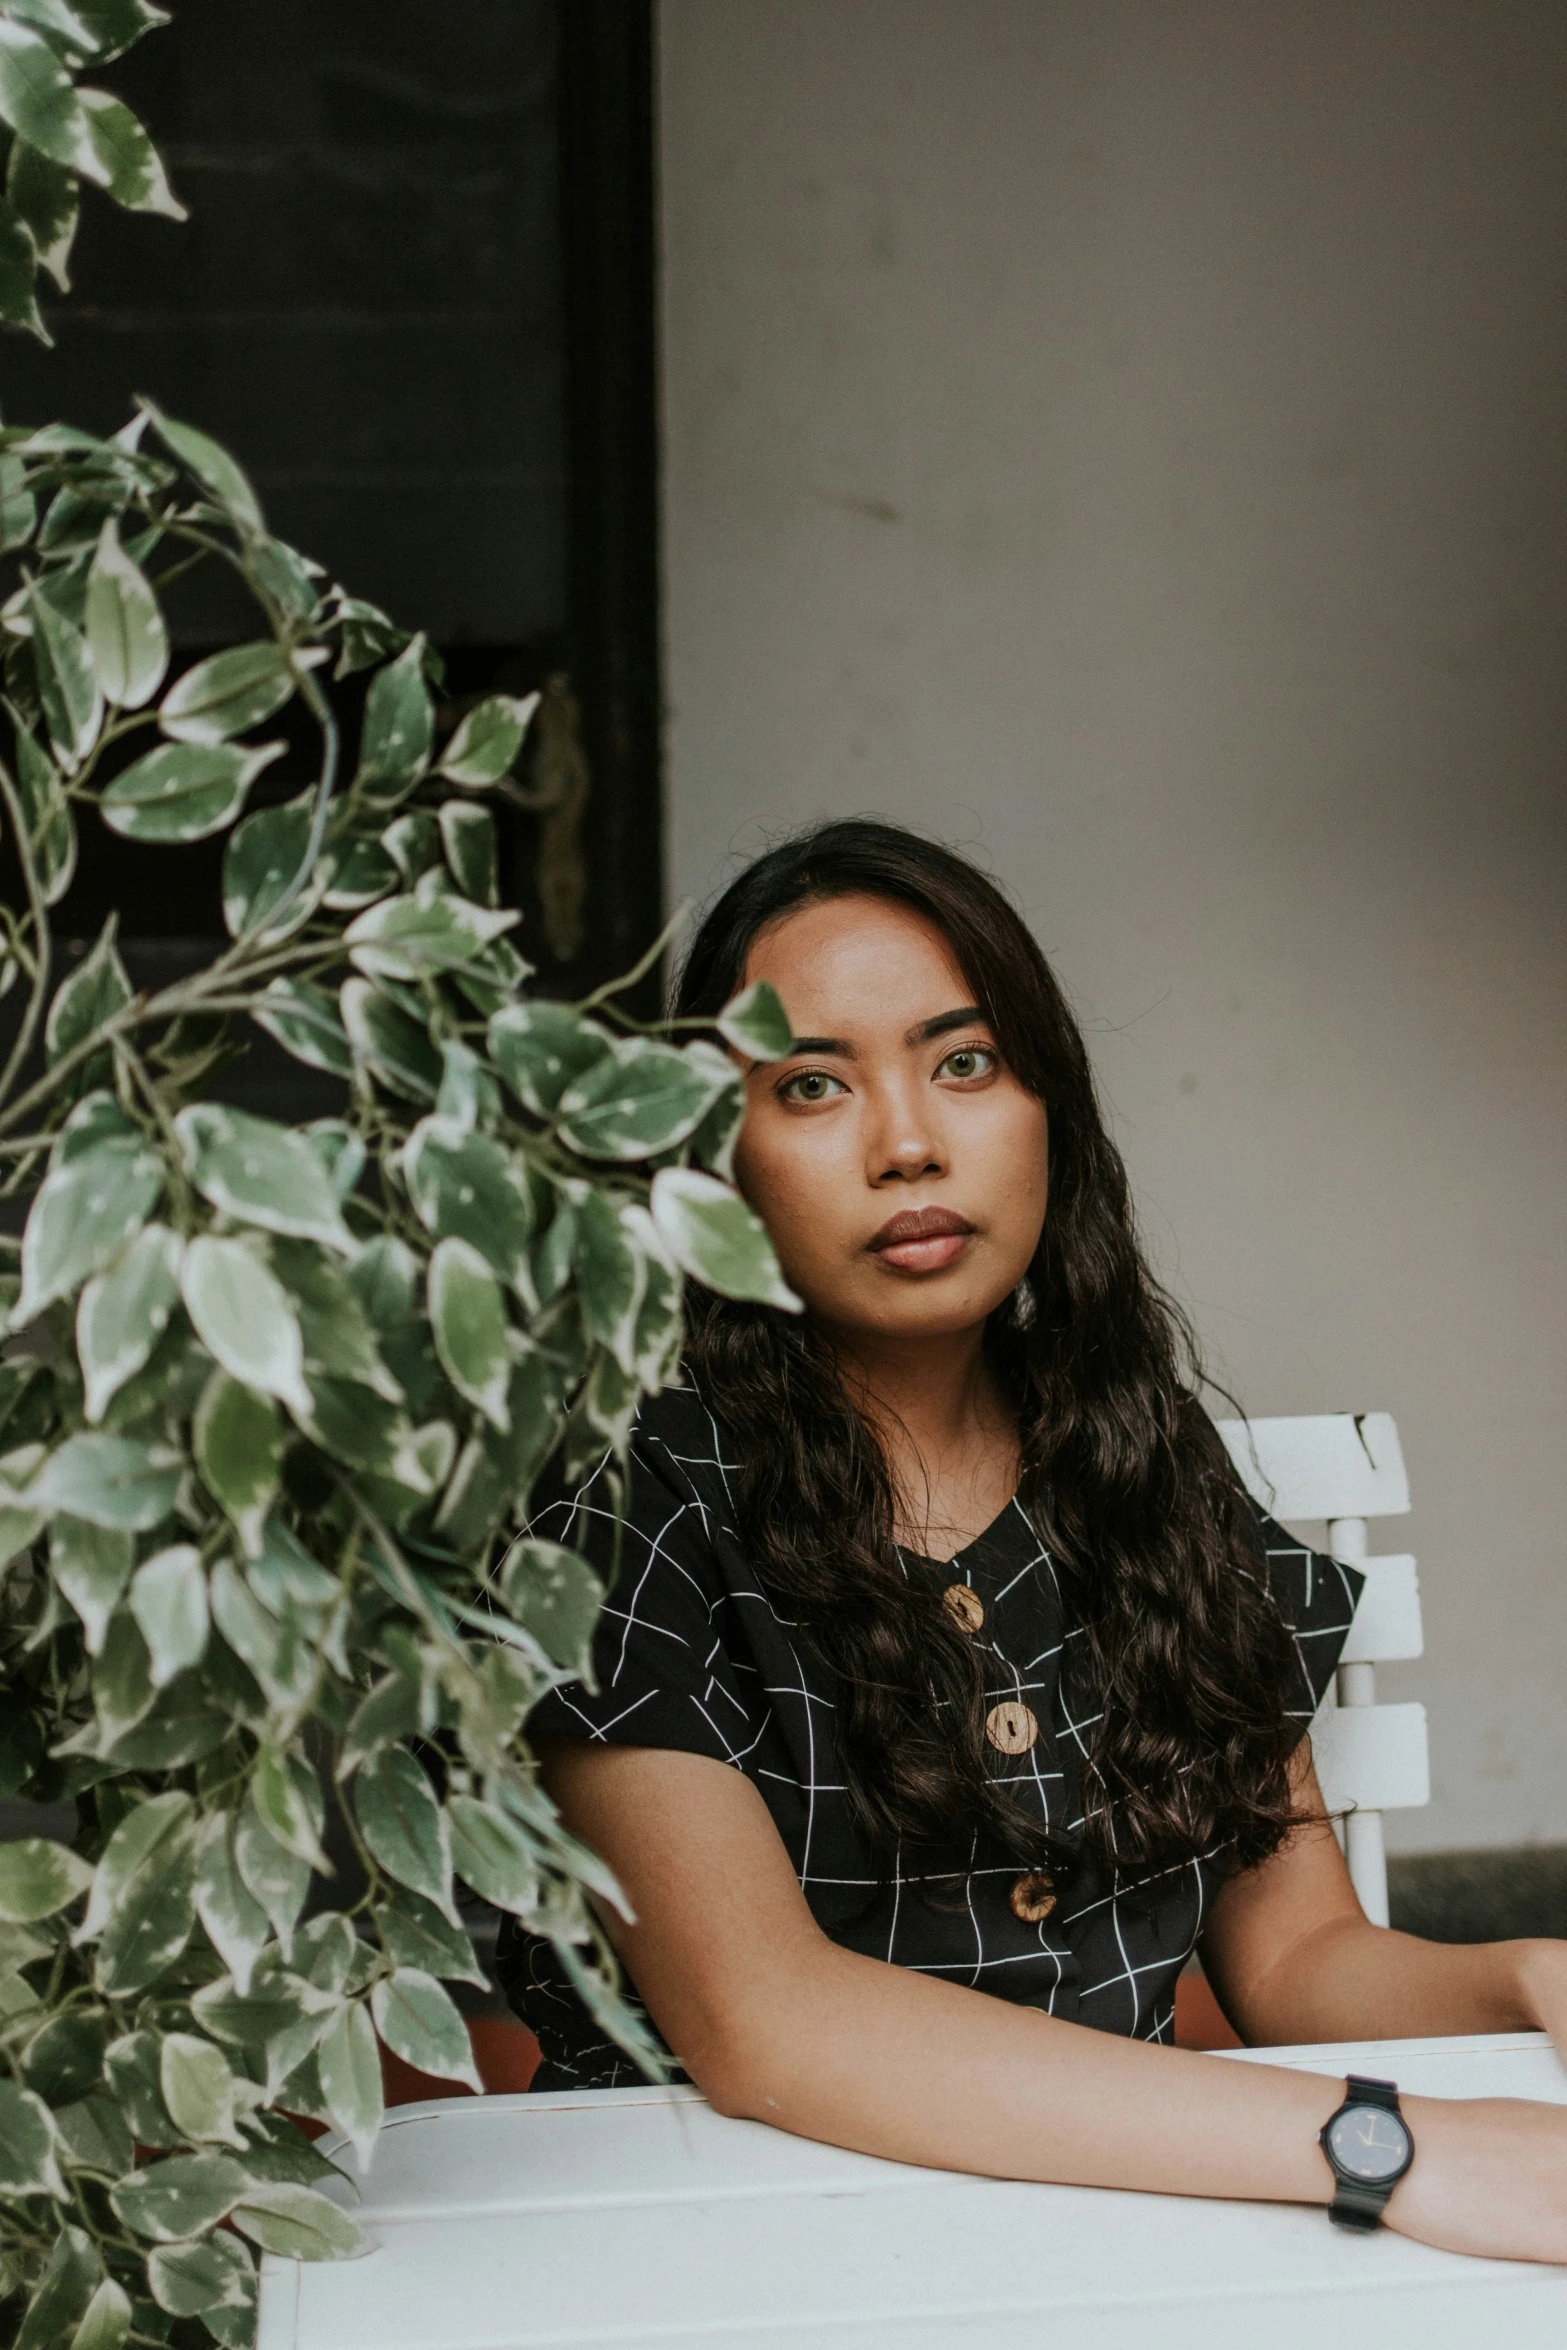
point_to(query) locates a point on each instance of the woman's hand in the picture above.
(1489, 2176)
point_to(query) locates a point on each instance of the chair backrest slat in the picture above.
(1334, 1465)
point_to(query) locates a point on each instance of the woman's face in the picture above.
(896, 1161)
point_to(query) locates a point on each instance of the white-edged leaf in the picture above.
(486, 744)
(67, 681)
(86, 1211)
(237, 1438)
(611, 1275)
(554, 1594)
(168, 1598)
(468, 837)
(91, 1565)
(243, 1318)
(212, 2277)
(491, 1853)
(125, 630)
(469, 1327)
(212, 465)
(236, 1924)
(129, 166)
(181, 2196)
(51, 828)
(111, 1480)
(429, 929)
(403, 1825)
(228, 692)
(463, 1185)
(184, 791)
(198, 2089)
(122, 1314)
(142, 1905)
(46, 197)
(542, 1047)
(755, 1023)
(645, 1099)
(298, 2224)
(105, 2323)
(261, 1173)
(29, 2142)
(261, 863)
(306, 1022)
(38, 1878)
(39, 100)
(419, 2022)
(395, 1047)
(399, 727)
(277, 1879)
(287, 1798)
(349, 2062)
(712, 1235)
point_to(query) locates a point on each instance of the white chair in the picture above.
(1346, 1467)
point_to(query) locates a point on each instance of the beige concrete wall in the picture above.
(1127, 437)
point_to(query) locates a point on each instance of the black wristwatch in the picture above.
(1369, 2148)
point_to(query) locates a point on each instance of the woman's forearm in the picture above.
(848, 2050)
(1349, 1980)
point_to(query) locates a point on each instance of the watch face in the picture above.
(1368, 2143)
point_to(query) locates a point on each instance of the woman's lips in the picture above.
(922, 1240)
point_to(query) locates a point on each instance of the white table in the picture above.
(639, 2217)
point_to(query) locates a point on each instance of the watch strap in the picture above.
(1360, 2203)
(1358, 2090)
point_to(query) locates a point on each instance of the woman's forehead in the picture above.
(857, 962)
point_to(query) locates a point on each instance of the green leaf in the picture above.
(169, 1601)
(236, 1924)
(304, 1020)
(611, 1276)
(51, 828)
(243, 1317)
(755, 1023)
(414, 844)
(414, 1933)
(713, 1235)
(131, 2068)
(179, 2197)
(91, 1565)
(45, 196)
(19, 279)
(129, 167)
(416, 2018)
(278, 2024)
(85, 1212)
(125, 632)
(660, 1324)
(238, 1442)
(198, 2089)
(260, 866)
(142, 1906)
(465, 1186)
(94, 992)
(278, 1652)
(541, 1048)
(468, 837)
(298, 2224)
(53, 16)
(468, 1324)
(429, 931)
(395, 1047)
(212, 465)
(106, 2321)
(286, 1795)
(399, 728)
(63, 2292)
(117, 25)
(124, 1313)
(486, 744)
(111, 1480)
(470, 1094)
(207, 2278)
(226, 693)
(260, 1173)
(349, 2062)
(339, 1337)
(38, 1878)
(491, 1853)
(64, 2058)
(644, 1100)
(27, 2145)
(96, 2135)
(362, 873)
(38, 99)
(402, 1824)
(67, 682)
(277, 1879)
(556, 1596)
(184, 791)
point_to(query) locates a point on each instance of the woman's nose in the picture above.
(904, 1142)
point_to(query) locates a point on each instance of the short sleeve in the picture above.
(662, 1674)
(1316, 1596)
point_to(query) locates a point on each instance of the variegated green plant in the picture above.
(273, 1399)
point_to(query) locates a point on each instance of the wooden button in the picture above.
(1011, 1728)
(964, 1606)
(1033, 1898)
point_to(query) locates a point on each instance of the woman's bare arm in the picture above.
(1292, 1957)
(776, 2023)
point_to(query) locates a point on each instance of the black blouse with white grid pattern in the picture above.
(691, 1653)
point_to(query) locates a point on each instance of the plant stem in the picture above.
(41, 933)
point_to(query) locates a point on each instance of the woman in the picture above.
(951, 1690)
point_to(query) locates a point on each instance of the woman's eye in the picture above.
(969, 1060)
(811, 1085)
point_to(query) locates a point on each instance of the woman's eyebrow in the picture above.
(963, 1017)
(833, 1045)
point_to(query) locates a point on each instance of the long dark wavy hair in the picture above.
(1123, 1474)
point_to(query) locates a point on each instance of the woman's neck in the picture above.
(943, 1421)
